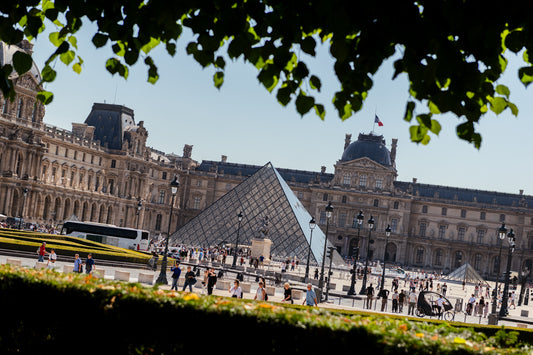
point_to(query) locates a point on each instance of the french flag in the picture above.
(376, 120)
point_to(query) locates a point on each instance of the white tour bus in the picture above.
(128, 238)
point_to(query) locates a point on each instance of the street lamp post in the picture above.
(360, 218)
(505, 298)
(329, 213)
(234, 265)
(25, 192)
(387, 233)
(162, 279)
(525, 273)
(312, 225)
(139, 207)
(370, 241)
(493, 317)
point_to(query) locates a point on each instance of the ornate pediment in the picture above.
(364, 163)
(27, 81)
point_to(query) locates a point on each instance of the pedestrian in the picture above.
(412, 303)
(52, 257)
(77, 264)
(310, 297)
(287, 293)
(481, 305)
(236, 290)
(283, 267)
(395, 297)
(42, 252)
(176, 272)
(486, 310)
(384, 294)
(401, 301)
(190, 279)
(260, 293)
(89, 264)
(444, 289)
(316, 274)
(211, 281)
(512, 300)
(369, 296)
(470, 305)
(440, 303)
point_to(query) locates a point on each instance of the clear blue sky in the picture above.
(246, 123)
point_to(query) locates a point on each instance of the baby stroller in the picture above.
(427, 306)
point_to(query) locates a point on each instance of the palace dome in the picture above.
(369, 146)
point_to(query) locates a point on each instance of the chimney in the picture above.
(322, 170)
(347, 140)
(414, 180)
(224, 158)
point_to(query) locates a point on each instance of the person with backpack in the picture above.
(236, 290)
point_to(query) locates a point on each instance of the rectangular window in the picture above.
(422, 229)
(346, 180)
(394, 225)
(463, 213)
(482, 216)
(362, 181)
(300, 195)
(113, 163)
(502, 218)
(444, 211)
(442, 231)
(424, 209)
(379, 184)
(419, 256)
(376, 203)
(158, 220)
(161, 197)
(480, 236)
(342, 219)
(461, 233)
(322, 217)
(396, 205)
(325, 197)
(164, 177)
(196, 202)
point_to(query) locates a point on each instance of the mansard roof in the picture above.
(465, 195)
(244, 170)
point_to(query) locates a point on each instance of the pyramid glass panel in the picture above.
(262, 196)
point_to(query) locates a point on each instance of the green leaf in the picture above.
(55, 39)
(526, 75)
(497, 104)
(48, 74)
(73, 41)
(154, 42)
(419, 134)
(284, 95)
(315, 83)
(308, 45)
(99, 40)
(45, 97)
(218, 78)
(513, 108)
(304, 103)
(503, 90)
(320, 111)
(67, 57)
(409, 108)
(435, 127)
(220, 62)
(77, 68)
(22, 62)
(433, 108)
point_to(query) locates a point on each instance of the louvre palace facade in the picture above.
(102, 170)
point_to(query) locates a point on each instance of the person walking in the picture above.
(190, 279)
(89, 264)
(236, 290)
(369, 296)
(77, 264)
(444, 289)
(395, 297)
(42, 252)
(412, 303)
(287, 293)
(513, 297)
(310, 297)
(401, 301)
(211, 281)
(260, 293)
(176, 272)
(52, 257)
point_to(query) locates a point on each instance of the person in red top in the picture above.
(42, 252)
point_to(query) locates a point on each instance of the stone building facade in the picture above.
(101, 169)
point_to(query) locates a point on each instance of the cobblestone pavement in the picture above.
(455, 291)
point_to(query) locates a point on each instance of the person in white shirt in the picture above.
(412, 303)
(52, 257)
(236, 290)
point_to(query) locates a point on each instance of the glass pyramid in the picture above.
(263, 196)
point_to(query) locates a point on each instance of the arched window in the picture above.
(419, 256)
(438, 258)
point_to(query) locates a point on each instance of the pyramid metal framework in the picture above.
(465, 273)
(264, 196)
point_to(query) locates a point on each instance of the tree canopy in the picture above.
(453, 52)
